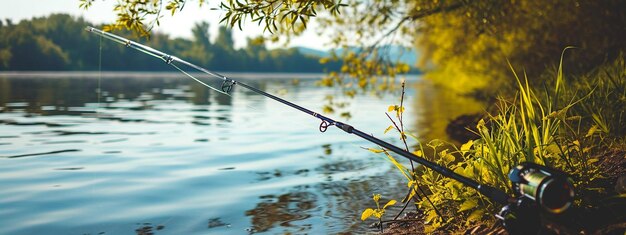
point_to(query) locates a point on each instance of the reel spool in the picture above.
(549, 188)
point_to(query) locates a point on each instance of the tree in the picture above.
(5, 52)
(226, 57)
(28, 50)
(225, 39)
(202, 49)
(476, 40)
(201, 34)
(465, 41)
(58, 42)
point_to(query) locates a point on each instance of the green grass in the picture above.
(565, 124)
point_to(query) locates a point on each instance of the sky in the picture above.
(177, 26)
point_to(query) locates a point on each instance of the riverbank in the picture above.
(574, 124)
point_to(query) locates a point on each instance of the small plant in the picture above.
(378, 212)
(415, 192)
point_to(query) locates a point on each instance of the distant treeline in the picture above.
(59, 42)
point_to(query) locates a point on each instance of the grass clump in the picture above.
(564, 125)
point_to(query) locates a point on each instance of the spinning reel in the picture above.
(538, 189)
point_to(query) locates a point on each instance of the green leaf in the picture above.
(592, 131)
(430, 216)
(460, 171)
(303, 21)
(468, 204)
(328, 109)
(388, 129)
(476, 215)
(467, 146)
(350, 93)
(448, 158)
(367, 213)
(390, 203)
(373, 150)
(346, 115)
(378, 213)
(400, 167)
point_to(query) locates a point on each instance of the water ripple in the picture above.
(163, 156)
(39, 154)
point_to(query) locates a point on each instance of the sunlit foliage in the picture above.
(140, 16)
(464, 43)
(377, 212)
(470, 45)
(554, 126)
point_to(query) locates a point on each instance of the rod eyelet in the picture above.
(227, 85)
(324, 126)
(169, 59)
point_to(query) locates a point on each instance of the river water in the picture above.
(161, 154)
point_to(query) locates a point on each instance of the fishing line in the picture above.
(168, 59)
(99, 79)
(198, 80)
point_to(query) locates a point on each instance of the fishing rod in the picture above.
(533, 184)
(228, 83)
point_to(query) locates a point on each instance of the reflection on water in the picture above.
(283, 210)
(165, 155)
(437, 107)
